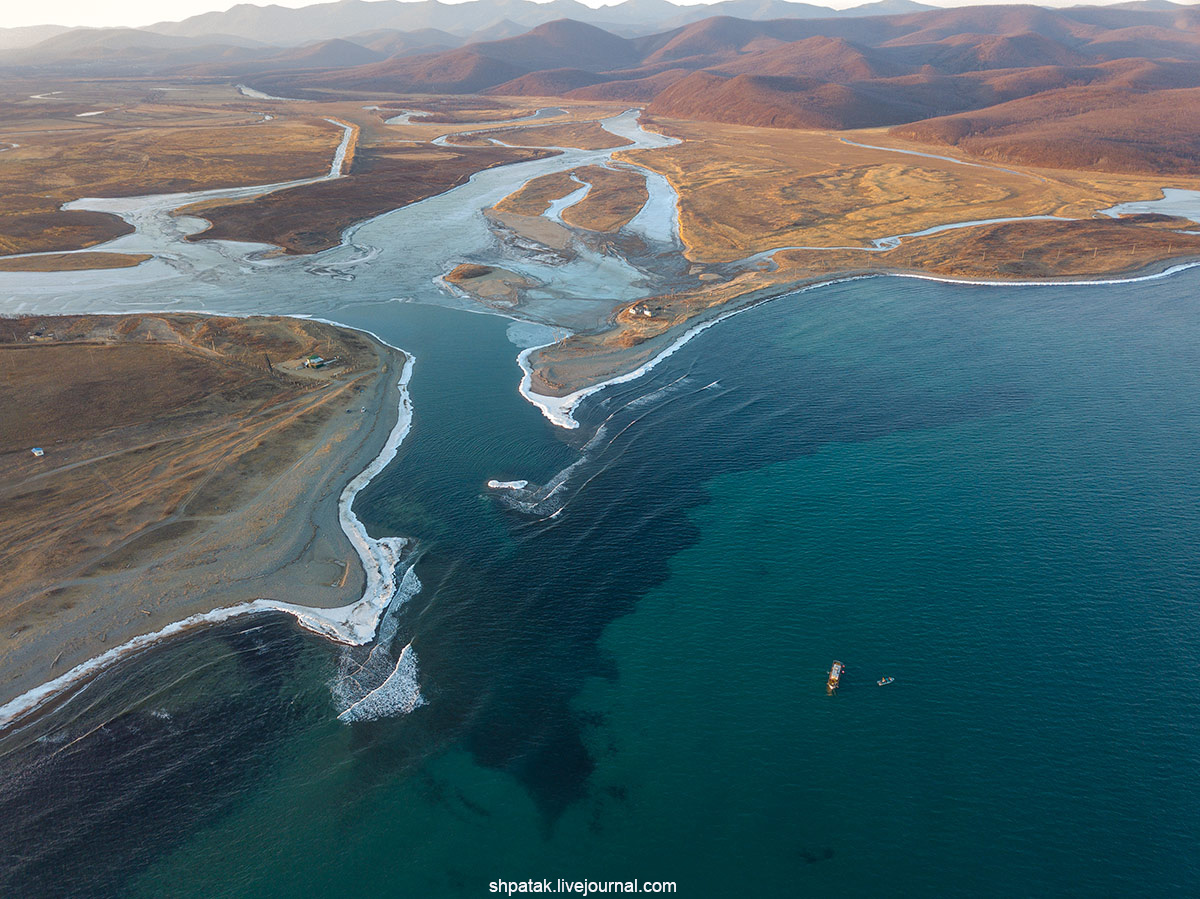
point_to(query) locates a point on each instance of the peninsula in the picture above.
(156, 467)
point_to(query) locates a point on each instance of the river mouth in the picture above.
(952, 496)
(573, 281)
(615, 630)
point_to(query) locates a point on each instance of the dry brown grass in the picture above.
(105, 160)
(743, 190)
(71, 262)
(535, 195)
(179, 470)
(468, 119)
(488, 284)
(616, 197)
(1089, 248)
(580, 135)
(312, 218)
(154, 141)
(147, 141)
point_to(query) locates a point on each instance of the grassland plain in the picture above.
(615, 197)
(580, 135)
(126, 138)
(744, 190)
(312, 218)
(825, 200)
(190, 463)
(143, 141)
(814, 203)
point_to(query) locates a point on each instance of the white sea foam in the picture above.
(549, 499)
(1097, 282)
(374, 685)
(559, 409)
(507, 485)
(353, 624)
(399, 693)
(546, 500)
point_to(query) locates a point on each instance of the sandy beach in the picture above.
(208, 474)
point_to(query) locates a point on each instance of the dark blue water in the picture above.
(990, 494)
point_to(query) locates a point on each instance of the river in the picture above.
(616, 670)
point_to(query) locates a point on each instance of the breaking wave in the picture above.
(549, 499)
(375, 682)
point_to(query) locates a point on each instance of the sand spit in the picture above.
(281, 586)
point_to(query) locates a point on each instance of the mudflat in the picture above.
(312, 218)
(145, 141)
(188, 463)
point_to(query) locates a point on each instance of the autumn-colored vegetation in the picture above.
(146, 144)
(312, 218)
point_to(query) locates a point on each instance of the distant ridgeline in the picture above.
(1112, 88)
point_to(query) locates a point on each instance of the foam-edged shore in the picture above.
(559, 410)
(353, 624)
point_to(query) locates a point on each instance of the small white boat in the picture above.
(884, 681)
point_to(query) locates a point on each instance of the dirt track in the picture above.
(180, 474)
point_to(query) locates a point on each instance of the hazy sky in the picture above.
(144, 12)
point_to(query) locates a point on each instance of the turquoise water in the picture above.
(990, 494)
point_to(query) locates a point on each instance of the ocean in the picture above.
(617, 672)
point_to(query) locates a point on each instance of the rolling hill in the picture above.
(1017, 82)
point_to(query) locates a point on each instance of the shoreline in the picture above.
(352, 624)
(559, 409)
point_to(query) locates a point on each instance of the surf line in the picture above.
(559, 410)
(354, 624)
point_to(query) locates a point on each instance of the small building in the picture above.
(314, 361)
(38, 451)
